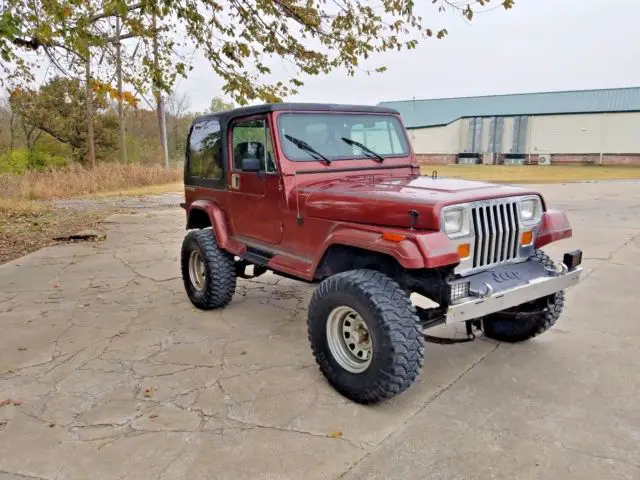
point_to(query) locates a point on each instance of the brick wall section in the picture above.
(589, 159)
(558, 159)
(436, 159)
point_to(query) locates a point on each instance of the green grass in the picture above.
(533, 173)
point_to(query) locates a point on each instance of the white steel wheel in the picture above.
(349, 339)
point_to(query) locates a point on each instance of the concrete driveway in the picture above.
(107, 371)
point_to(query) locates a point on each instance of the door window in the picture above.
(252, 141)
(205, 151)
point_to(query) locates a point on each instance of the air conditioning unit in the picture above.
(467, 160)
(544, 160)
(514, 161)
(489, 158)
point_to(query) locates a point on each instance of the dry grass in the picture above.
(143, 191)
(77, 181)
(533, 173)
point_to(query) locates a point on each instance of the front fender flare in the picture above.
(421, 251)
(553, 227)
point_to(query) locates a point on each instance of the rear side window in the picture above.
(205, 151)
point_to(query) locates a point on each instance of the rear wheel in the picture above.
(529, 320)
(208, 272)
(364, 335)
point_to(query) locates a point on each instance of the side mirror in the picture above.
(251, 164)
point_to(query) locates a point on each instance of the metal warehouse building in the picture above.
(587, 126)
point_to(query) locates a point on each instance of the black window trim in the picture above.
(252, 118)
(352, 158)
(217, 184)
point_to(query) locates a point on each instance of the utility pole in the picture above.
(89, 102)
(162, 119)
(123, 145)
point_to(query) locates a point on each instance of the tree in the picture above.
(7, 125)
(58, 108)
(178, 105)
(218, 104)
(238, 37)
(66, 31)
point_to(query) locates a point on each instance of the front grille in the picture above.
(497, 230)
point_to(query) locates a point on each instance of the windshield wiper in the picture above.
(302, 145)
(364, 148)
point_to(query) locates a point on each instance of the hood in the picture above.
(387, 201)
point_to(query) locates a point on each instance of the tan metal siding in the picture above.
(464, 134)
(565, 134)
(552, 134)
(594, 133)
(621, 133)
(507, 135)
(436, 139)
(486, 128)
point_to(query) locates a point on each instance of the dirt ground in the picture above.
(28, 226)
(107, 371)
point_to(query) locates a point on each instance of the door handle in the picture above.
(235, 181)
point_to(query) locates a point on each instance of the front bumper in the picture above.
(508, 286)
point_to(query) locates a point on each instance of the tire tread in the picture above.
(397, 322)
(220, 286)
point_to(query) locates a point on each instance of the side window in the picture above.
(251, 144)
(205, 151)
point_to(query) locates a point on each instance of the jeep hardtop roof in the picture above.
(227, 115)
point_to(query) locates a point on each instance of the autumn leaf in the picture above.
(148, 392)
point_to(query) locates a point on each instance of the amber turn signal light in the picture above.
(527, 239)
(393, 237)
(464, 250)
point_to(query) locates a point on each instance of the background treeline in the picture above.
(46, 127)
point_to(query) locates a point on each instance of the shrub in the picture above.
(21, 160)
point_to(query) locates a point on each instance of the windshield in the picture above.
(324, 132)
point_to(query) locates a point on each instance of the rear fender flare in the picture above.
(216, 217)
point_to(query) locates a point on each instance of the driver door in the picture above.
(256, 196)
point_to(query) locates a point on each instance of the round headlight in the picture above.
(530, 210)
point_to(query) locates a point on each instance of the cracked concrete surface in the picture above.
(113, 374)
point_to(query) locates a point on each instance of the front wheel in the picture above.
(364, 335)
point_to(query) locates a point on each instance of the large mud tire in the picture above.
(514, 329)
(396, 343)
(216, 285)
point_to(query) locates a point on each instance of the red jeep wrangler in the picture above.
(332, 194)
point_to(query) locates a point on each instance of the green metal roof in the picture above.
(442, 111)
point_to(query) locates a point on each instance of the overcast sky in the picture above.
(539, 45)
